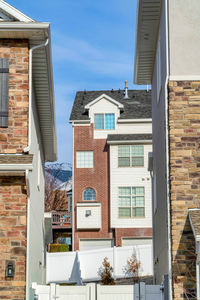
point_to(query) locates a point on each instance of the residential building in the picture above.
(167, 56)
(27, 140)
(111, 183)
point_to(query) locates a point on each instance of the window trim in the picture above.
(90, 189)
(104, 121)
(78, 151)
(131, 207)
(131, 158)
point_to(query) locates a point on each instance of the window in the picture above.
(104, 121)
(84, 159)
(131, 156)
(89, 194)
(131, 202)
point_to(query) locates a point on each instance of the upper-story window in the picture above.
(131, 202)
(131, 156)
(84, 159)
(104, 121)
(89, 194)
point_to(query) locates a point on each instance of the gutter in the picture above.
(127, 142)
(167, 149)
(27, 149)
(15, 167)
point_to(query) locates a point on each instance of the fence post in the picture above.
(92, 291)
(52, 291)
(142, 291)
(115, 262)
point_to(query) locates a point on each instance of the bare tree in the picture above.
(132, 268)
(55, 199)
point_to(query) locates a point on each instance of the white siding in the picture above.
(92, 221)
(105, 106)
(131, 176)
(135, 241)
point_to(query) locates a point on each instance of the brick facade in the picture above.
(131, 233)
(13, 207)
(15, 138)
(184, 138)
(96, 178)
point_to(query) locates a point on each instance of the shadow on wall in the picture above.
(184, 264)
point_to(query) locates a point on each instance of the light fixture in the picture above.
(10, 270)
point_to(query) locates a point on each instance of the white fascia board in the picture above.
(14, 12)
(107, 98)
(88, 204)
(23, 26)
(15, 167)
(128, 142)
(134, 120)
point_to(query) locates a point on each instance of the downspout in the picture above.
(27, 149)
(28, 233)
(167, 148)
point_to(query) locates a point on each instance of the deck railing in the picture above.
(61, 218)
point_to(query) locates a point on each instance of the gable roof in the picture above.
(104, 96)
(20, 26)
(137, 106)
(10, 13)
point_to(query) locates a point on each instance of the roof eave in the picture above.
(148, 18)
(128, 142)
(50, 144)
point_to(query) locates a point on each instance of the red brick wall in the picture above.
(97, 178)
(15, 138)
(184, 137)
(131, 232)
(13, 205)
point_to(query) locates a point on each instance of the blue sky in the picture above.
(93, 48)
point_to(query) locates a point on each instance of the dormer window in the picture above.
(104, 121)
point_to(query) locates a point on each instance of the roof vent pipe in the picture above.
(126, 91)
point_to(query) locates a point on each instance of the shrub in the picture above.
(58, 248)
(106, 273)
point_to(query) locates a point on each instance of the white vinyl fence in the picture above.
(84, 265)
(92, 291)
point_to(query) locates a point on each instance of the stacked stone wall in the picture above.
(13, 210)
(184, 141)
(15, 138)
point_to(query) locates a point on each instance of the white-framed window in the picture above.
(104, 121)
(131, 202)
(84, 159)
(89, 194)
(131, 156)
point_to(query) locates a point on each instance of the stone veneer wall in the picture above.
(13, 205)
(184, 139)
(15, 138)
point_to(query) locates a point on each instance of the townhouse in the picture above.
(111, 184)
(167, 56)
(27, 140)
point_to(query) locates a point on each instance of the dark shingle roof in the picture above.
(129, 137)
(138, 106)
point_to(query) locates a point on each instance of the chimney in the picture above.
(126, 91)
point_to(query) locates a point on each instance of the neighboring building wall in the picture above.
(136, 233)
(184, 133)
(96, 178)
(15, 138)
(36, 249)
(184, 39)
(13, 206)
(129, 177)
(160, 215)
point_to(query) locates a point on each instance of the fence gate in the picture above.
(92, 291)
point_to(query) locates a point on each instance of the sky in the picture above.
(93, 49)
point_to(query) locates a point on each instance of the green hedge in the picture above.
(59, 248)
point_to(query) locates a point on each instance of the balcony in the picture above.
(61, 219)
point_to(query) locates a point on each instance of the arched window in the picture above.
(89, 194)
